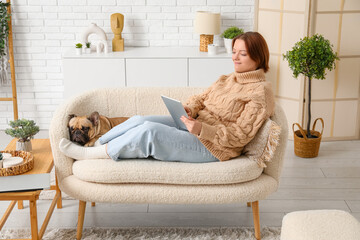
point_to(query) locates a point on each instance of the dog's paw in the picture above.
(89, 144)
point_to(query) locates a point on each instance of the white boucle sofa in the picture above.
(152, 181)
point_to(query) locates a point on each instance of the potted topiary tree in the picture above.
(229, 34)
(24, 130)
(311, 56)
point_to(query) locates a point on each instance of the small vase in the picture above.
(228, 45)
(87, 50)
(93, 28)
(24, 146)
(212, 49)
(78, 51)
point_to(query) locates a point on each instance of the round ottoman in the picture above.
(320, 225)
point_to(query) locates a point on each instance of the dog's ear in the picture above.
(71, 116)
(94, 118)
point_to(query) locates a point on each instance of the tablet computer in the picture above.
(176, 110)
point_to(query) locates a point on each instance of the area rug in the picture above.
(153, 233)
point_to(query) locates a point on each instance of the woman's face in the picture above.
(241, 59)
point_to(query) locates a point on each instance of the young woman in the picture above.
(221, 121)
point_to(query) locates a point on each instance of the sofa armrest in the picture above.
(79, 105)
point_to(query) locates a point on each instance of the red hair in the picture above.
(256, 47)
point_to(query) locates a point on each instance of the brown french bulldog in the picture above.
(85, 130)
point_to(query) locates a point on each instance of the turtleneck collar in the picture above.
(250, 77)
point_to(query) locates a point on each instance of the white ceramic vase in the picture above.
(228, 45)
(102, 45)
(93, 28)
(78, 51)
(24, 146)
(87, 50)
(212, 49)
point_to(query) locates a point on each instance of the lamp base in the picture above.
(205, 40)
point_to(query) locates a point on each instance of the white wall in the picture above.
(44, 29)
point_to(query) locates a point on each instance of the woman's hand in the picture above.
(192, 125)
(188, 110)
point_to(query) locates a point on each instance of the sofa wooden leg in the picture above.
(255, 209)
(249, 204)
(82, 206)
(93, 204)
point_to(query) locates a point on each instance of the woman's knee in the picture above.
(152, 128)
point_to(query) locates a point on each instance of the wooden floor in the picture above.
(330, 181)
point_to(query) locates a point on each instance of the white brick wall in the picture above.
(44, 29)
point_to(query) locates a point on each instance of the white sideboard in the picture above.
(143, 66)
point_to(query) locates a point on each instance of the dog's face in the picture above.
(82, 129)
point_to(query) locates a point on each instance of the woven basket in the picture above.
(26, 166)
(307, 147)
(205, 40)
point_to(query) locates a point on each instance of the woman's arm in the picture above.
(238, 134)
(196, 103)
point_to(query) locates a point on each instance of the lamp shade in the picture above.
(207, 23)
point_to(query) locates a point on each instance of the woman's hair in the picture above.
(257, 48)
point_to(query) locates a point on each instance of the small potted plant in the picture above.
(228, 35)
(24, 130)
(311, 56)
(88, 49)
(78, 48)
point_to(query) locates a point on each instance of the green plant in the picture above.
(78, 45)
(232, 32)
(311, 56)
(4, 26)
(88, 44)
(22, 129)
(1, 156)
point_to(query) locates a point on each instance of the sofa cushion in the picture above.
(263, 146)
(238, 170)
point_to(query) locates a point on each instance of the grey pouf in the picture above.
(320, 225)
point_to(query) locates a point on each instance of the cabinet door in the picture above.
(156, 72)
(203, 72)
(81, 75)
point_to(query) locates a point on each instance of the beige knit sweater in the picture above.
(231, 112)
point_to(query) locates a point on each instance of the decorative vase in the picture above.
(87, 50)
(78, 51)
(212, 49)
(102, 45)
(228, 45)
(24, 146)
(307, 147)
(93, 28)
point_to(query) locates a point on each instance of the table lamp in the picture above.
(207, 24)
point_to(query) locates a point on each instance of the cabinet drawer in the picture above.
(156, 72)
(203, 72)
(81, 75)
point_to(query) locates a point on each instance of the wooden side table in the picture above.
(43, 163)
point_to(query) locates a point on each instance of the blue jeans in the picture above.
(157, 137)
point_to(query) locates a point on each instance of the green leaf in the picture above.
(232, 32)
(22, 129)
(4, 27)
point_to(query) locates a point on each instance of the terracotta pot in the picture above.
(24, 146)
